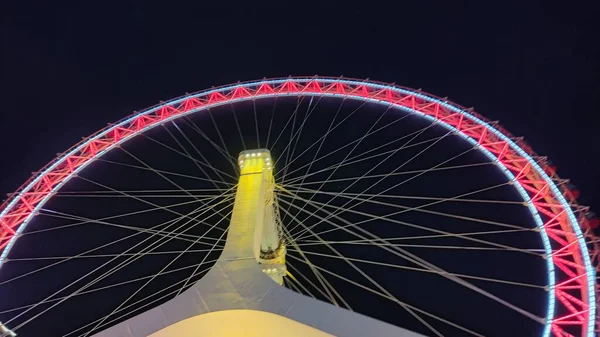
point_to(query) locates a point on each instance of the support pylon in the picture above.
(256, 209)
(240, 284)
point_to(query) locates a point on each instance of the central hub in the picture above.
(256, 177)
(255, 161)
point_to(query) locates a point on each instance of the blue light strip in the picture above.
(545, 240)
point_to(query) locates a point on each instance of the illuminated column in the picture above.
(255, 228)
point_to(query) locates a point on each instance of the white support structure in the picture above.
(240, 284)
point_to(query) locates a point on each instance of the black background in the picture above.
(68, 69)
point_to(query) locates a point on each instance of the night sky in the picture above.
(68, 70)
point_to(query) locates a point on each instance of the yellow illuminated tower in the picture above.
(255, 222)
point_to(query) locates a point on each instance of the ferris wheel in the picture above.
(345, 205)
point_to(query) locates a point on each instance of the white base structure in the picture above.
(242, 294)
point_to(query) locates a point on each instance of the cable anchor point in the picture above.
(6, 332)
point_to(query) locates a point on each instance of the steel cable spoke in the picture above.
(162, 270)
(106, 195)
(186, 155)
(359, 158)
(425, 270)
(350, 144)
(295, 288)
(215, 170)
(180, 236)
(349, 153)
(138, 302)
(376, 284)
(337, 180)
(221, 238)
(161, 171)
(435, 236)
(96, 280)
(329, 289)
(427, 205)
(299, 101)
(87, 252)
(213, 192)
(255, 123)
(222, 150)
(311, 283)
(139, 199)
(396, 169)
(235, 168)
(450, 215)
(148, 248)
(115, 284)
(421, 262)
(322, 138)
(299, 133)
(360, 242)
(26, 259)
(403, 181)
(271, 122)
(410, 197)
(153, 209)
(320, 141)
(386, 218)
(168, 223)
(393, 299)
(237, 125)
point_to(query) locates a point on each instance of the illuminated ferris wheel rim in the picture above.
(533, 183)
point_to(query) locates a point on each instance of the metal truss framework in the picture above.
(565, 230)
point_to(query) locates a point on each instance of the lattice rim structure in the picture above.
(551, 202)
